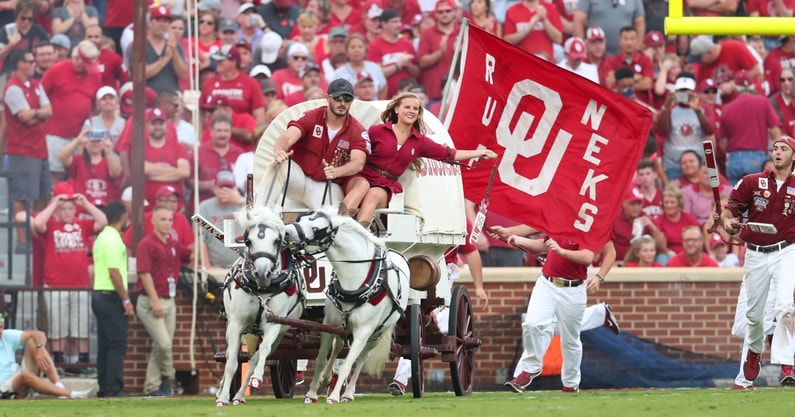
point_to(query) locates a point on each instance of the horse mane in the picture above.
(350, 224)
(248, 217)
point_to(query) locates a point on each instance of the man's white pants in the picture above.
(303, 189)
(549, 308)
(761, 271)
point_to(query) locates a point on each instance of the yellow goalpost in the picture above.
(677, 24)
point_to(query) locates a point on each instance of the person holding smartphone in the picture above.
(93, 168)
(684, 122)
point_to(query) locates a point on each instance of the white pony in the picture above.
(264, 280)
(368, 295)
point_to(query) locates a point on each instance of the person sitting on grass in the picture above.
(20, 381)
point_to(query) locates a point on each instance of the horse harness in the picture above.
(374, 288)
(322, 238)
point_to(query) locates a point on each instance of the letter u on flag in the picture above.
(568, 148)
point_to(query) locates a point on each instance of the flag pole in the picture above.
(455, 64)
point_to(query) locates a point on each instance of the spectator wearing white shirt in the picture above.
(575, 54)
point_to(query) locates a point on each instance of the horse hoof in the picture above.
(221, 403)
(308, 400)
(255, 383)
(238, 401)
(347, 399)
(331, 401)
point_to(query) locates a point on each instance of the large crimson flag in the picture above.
(567, 147)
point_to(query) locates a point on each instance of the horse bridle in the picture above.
(323, 238)
(251, 257)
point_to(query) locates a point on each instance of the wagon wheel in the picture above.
(283, 378)
(416, 335)
(462, 371)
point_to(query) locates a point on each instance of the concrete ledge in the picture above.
(528, 274)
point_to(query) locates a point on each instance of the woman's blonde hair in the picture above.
(632, 255)
(390, 114)
(308, 18)
(676, 193)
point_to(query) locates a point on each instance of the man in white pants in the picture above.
(741, 323)
(767, 197)
(326, 143)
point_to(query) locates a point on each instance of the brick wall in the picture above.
(688, 309)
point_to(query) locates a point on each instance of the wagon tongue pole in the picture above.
(250, 191)
(480, 219)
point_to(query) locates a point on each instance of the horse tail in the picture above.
(380, 353)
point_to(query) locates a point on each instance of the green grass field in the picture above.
(622, 403)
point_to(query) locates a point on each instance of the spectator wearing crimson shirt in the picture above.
(745, 126)
(159, 258)
(26, 108)
(437, 45)
(242, 91)
(289, 79)
(66, 242)
(711, 7)
(629, 56)
(692, 254)
(71, 86)
(729, 56)
(396, 56)
(310, 77)
(181, 230)
(672, 222)
(166, 161)
(407, 9)
(534, 26)
(347, 14)
(778, 59)
(118, 14)
(782, 100)
(110, 64)
(93, 169)
(218, 154)
(243, 124)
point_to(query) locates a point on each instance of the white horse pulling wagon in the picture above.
(422, 223)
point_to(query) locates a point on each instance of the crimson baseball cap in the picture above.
(155, 114)
(654, 38)
(160, 12)
(166, 191)
(225, 179)
(595, 33)
(786, 139)
(633, 195)
(706, 84)
(363, 76)
(575, 47)
(743, 79)
(65, 189)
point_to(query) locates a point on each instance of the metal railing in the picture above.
(63, 314)
(10, 225)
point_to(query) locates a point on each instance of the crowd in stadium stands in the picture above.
(68, 96)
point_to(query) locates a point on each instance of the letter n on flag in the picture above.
(567, 147)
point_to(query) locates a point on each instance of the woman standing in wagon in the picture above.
(396, 144)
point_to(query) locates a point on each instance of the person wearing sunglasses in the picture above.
(782, 101)
(21, 35)
(326, 143)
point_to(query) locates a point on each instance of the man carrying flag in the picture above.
(568, 149)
